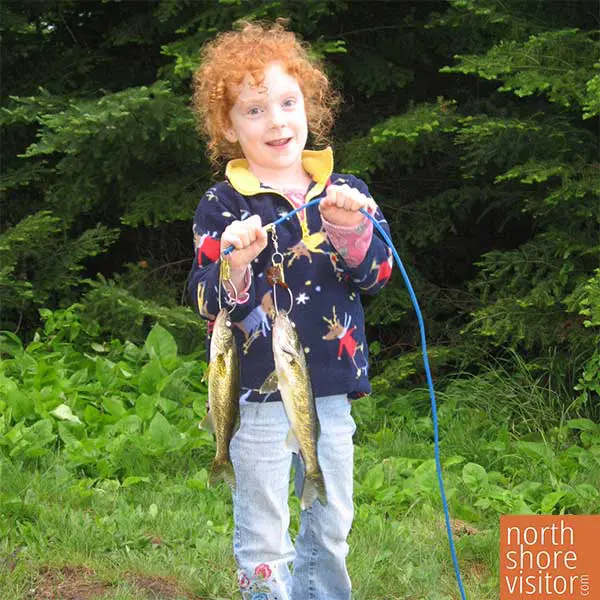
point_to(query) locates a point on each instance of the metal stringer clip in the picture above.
(275, 273)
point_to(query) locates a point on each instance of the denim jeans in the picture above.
(262, 545)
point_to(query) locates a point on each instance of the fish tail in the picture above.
(222, 470)
(313, 489)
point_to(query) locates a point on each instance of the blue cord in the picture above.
(274, 224)
(436, 441)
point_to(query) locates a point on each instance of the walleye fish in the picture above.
(292, 379)
(223, 396)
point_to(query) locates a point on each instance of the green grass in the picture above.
(169, 536)
(171, 528)
(166, 528)
(175, 527)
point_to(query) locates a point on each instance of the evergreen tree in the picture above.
(486, 165)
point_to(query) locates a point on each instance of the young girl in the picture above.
(257, 96)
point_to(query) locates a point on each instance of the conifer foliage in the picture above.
(474, 121)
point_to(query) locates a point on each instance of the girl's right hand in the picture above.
(249, 239)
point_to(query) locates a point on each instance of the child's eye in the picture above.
(253, 111)
(289, 102)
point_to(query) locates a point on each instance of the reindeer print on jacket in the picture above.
(345, 337)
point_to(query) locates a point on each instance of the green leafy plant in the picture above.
(111, 409)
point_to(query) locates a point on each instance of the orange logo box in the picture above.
(550, 557)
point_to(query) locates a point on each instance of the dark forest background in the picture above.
(475, 123)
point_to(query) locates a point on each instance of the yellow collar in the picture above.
(317, 163)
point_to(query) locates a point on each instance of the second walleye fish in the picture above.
(292, 379)
(223, 396)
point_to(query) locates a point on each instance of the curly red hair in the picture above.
(227, 59)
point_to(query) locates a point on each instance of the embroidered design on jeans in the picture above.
(259, 586)
(263, 571)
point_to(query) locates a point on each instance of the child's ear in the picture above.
(230, 135)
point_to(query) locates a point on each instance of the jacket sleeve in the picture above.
(211, 218)
(373, 273)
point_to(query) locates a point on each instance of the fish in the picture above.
(291, 377)
(222, 418)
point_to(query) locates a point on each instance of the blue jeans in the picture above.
(262, 545)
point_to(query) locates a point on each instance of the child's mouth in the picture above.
(279, 143)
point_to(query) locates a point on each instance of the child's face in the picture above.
(269, 122)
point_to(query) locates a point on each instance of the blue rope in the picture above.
(436, 440)
(280, 220)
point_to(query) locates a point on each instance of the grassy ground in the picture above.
(168, 536)
(171, 539)
(67, 538)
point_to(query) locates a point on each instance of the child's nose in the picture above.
(277, 116)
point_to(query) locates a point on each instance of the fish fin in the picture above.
(208, 423)
(206, 374)
(222, 471)
(270, 384)
(313, 489)
(291, 442)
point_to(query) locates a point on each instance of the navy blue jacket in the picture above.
(327, 309)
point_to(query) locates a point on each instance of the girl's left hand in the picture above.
(342, 203)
